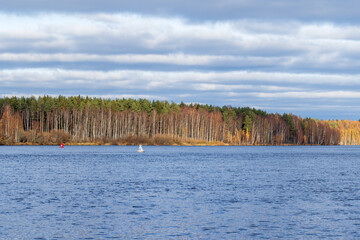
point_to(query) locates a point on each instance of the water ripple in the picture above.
(112, 192)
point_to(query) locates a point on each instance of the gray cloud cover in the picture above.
(306, 10)
(287, 56)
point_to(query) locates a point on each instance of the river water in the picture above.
(113, 192)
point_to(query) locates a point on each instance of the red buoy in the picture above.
(62, 145)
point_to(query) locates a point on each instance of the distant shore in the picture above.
(121, 144)
(145, 144)
(79, 120)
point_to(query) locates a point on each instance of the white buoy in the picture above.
(140, 149)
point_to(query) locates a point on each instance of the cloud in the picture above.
(94, 40)
(172, 58)
(92, 33)
(191, 80)
(240, 61)
(266, 90)
(119, 96)
(305, 10)
(233, 87)
(313, 94)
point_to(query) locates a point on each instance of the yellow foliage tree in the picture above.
(349, 131)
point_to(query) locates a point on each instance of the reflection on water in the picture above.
(113, 192)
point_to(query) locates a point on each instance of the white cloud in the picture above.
(105, 96)
(191, 80)
(311, 94)
(94, 32)
(234, 87)
(172, 58)
(329, 31)
(249, 60)
(136, 39)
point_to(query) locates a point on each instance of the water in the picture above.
(113, 192)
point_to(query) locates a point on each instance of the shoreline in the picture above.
(144, 144)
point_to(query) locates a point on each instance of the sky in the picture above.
(300, 57)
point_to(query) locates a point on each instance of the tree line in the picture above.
(77, 119)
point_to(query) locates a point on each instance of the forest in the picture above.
(50, 120)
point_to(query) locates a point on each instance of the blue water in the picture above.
(113, 192)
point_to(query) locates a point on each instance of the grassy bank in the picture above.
(159, 140)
